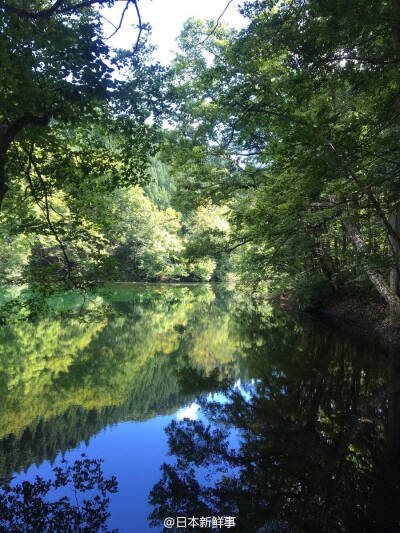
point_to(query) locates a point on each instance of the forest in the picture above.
(174, 240)
(267, 155)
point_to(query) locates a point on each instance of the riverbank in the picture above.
(365, 314)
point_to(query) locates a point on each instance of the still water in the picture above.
(199, 403)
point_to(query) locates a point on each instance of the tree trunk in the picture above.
(376, 278)
(395, 251)
(8, 133)
(3, 185)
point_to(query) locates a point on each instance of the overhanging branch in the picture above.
(60, 7)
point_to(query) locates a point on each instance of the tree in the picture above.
(68, 125)
(294, 120)
(207, 242)
(147, 243)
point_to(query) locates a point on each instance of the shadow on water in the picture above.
(318, 449)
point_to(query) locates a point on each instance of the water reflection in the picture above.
(289, 426)
(314, 452)
(39, 506)
(62, 380)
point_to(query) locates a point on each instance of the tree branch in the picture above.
(373, 201)
(140, 25)
(117, 28)
(228, 250)
(217, 23)
(7, 137)
(15, 127)
(55, 9)
(46, 211)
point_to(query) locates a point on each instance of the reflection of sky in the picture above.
(134, 453)
(189, 412)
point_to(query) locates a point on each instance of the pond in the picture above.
(200, 405)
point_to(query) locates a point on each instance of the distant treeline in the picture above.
(136, 233)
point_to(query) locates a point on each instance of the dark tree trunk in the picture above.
(3, 185)
(376, 278)
(8, 133)
(395, 251)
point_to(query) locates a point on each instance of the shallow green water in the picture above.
(304, 419)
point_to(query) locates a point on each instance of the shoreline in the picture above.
(385, 335)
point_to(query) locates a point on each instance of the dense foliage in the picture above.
(269, 155)
(133, 233)
(293, 122)
(283, 149)
(79, 124)
(71, 132)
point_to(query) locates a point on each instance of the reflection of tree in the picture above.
(313, 448)
(34, 507)
(62, 381)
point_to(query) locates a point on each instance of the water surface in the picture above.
(295, 422)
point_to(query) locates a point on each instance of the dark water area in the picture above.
(194, 402)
